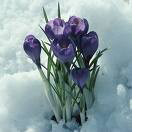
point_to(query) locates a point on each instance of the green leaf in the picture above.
(50, 61)
(61, 84)
(45, 48)
(89, 97)
(49, 55)
(79, 59)
(95, 77)
(45, 34)
(103, 50)
(100, 53)
(73, 86)
(59, 12)
(75, 100)
(54, 88)
(45, 15)
(49, 69)
(93, 73)
(49, 64)
(47, 43)
(94, 61)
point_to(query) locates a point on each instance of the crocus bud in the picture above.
(78, 26)
(32, 48)
(64, 50)
(57, 29)
(89, 45)
(80, 76)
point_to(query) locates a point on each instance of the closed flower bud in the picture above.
(78, 26)
(32, 48)
(80, 76)
(57, 29)
(89, 45)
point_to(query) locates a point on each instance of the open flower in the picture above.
(57, 29)
(32, 48)
(89, 45)
(64, 50)
(80, 76)
(78, 26)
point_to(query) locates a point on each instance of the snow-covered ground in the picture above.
(23, 106)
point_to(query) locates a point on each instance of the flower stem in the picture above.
(48, 92)
(82, 116)
(68, 105)
(82, 113)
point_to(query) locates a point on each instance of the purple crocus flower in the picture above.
(57, 29)
(32, 48)
(89, 45)
(80, 76)
(78, 26)
(64, 50)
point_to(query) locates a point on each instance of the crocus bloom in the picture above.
(57, 29)
(32, 48)
(64, 50)
(80, 76)
(78, 26)
(89, 45)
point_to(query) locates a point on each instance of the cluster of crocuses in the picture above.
(71, 68)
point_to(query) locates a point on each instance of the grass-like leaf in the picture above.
(59, 11)
(75, 99)
(45, 48)
(100, 53)
(45, 34)
(48, 54)
(92, 77)
(45, 15)
(95, 77)
(104, 50)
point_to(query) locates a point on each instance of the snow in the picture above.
(23, 106)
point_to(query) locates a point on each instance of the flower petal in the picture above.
(64, 50)
(89, 44)
(80, 76)
(78, 26)
(57, 29)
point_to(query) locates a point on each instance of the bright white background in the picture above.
(140, 70)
